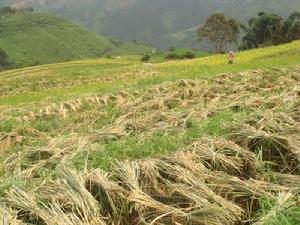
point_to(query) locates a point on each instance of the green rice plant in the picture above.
(7, 126)
(46, 124)
(283, 209)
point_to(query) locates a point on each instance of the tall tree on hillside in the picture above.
(264, 29)
(7, 10)
(291, 27)
(219, 31)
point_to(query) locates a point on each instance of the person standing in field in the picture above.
(231, 57)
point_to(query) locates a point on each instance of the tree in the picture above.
(172, 49)
(30, 10)
(219, 31)
(146, 58)
(4, 59)
(264, 29)
(291, 28)
(7, 10)
(271, 29)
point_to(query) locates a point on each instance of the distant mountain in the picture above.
(108, 5)
(155, 22)
(39, 38)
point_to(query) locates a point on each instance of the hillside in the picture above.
(31, 39)
(153, 21)
(114, 141)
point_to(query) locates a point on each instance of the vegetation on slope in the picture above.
(155, 21)
(212, 141)
(66, 80)
(271, 29)
(31, 39)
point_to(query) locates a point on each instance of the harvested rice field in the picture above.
(117, 142)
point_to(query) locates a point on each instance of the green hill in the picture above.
(30, 38)
(153, 21)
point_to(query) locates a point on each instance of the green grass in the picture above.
(161, 143)
(204, 68)
(7, 125)
(31, 39)
(84, 77)
(286, 216)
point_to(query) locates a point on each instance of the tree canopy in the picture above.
(291, 27)
(270, 29)
(9, 10)
(219, 31)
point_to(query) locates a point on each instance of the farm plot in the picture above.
(182, 152)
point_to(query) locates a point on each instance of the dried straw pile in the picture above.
(213, 181)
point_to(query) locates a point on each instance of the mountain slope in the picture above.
(152, 21)
(39, 38)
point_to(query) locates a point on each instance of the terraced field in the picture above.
(113, 141)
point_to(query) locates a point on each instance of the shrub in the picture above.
(7, 10)
(172, 49)
(7, 125)
(189, 55)
(4, 59)
(146, 58)
(173, 56)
